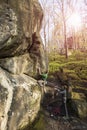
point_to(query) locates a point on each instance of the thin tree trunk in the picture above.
(64, 27)
(65, 42)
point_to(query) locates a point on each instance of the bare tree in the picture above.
(85, 1)
(65, 9)
(83, 32)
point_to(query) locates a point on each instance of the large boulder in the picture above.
(20, 98)
(21, 53)
(20, 24)
(79, 104)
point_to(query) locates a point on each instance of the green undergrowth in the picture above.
(75, 66)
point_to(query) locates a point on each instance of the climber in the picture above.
(43, 79)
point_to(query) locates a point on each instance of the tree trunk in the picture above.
(65, 42)
(64, 27)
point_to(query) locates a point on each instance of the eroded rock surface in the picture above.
(19, 100)
(20, 24)
(21, 53)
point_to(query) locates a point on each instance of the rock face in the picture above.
(21, 53)
(79, 104)
(20, 23)
(19, 100)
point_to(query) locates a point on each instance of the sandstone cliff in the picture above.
(20, 23)
(21, 52)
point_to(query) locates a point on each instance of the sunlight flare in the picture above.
(75, 21)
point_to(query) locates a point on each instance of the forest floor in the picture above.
(49, 121)
(64, 124)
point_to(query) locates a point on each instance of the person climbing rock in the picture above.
(43, 78)
(42, 81)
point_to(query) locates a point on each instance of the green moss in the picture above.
(83, 74)
(78, 55)
(53, 66)
(73, 76)
(75, 66)
(78, 96)
(39, 124)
